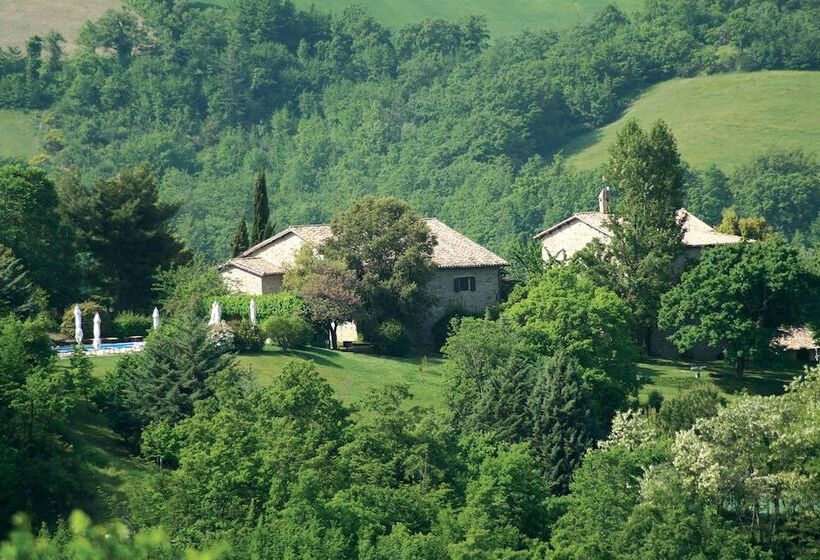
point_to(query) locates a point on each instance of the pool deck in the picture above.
(63, 352)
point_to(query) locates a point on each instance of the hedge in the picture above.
(237, 306)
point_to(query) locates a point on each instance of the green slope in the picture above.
(725, 119)
(504, 17)
(18, 133)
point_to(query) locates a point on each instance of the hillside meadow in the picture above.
(723, 119)
(20, 19)
(18, 133)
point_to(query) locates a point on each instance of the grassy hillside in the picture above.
(725, 119)
(18, 133)
(21, 18)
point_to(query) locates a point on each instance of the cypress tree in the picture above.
(562, 421)
(262, 228)
(240, 239)
(503, 406)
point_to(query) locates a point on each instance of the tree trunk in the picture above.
(333, 341)
(740, 365)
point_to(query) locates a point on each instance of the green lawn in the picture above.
(349, 374)
(723, 119)
(504, 18)
(671, 378)
(18, 133)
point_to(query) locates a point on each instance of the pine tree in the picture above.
(240, 239)
(503, 406)
(262, 228)
(17, 292)
(563, 425)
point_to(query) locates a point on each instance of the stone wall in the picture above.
(238, 280)
(282, 251)
(568, 240)
(486, 293)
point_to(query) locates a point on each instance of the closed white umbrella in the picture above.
(155, 319)
(216, 314)
(78, 324)
(97, 338)
(253, 311)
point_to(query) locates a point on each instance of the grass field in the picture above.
(349, 374)
(725, 119)
(20, 19)
(18, 133)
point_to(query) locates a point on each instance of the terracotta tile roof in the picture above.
(254, 265)
(452, 249)
(696, 233)
(798, 338)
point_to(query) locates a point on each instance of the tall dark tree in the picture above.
(240, 238)
(262, 228)
(31, 227)
(17, 292)
(127, 230)
(562, 421)
(502, 408)
(646, 173)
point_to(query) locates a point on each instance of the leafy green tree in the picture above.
(681, 412)
(646, 173)
(240, 244)
(127, 229)
(708, 194)
(563, 420)
(261, 228)
(117, 30)
(747, 228)
(80, 539)
(737, 297)
(672, 523)
(389, 248)
(191, 285)
(17, 292)
(329, 288)
(31, 228)
(782, 186)
(565, 311)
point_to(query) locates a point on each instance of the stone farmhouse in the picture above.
(468, 276)
(569, 236)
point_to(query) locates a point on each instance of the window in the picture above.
(464, 284)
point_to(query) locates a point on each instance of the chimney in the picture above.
(604, 200)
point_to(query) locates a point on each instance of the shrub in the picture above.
(247, 337)
(88, 309)
(222, 336)
(237, 306)
(441, 328)
(680, 413)
(392, 339)
(287, 332)
(128, 323)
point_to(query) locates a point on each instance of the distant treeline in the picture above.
(338, 106)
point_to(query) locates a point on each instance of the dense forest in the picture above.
(180, 133)
(464, 128)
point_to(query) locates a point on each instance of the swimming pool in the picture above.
(105, 348)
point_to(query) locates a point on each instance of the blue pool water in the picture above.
(104, 346)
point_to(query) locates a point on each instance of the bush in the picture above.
(441, 328)
(247, 337)
(287, 332)
(88, 309)
(680, 413)
(392, 339)
(129, 323)
(237, 306)
(222, 336)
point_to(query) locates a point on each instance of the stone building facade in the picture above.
(467, 277)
